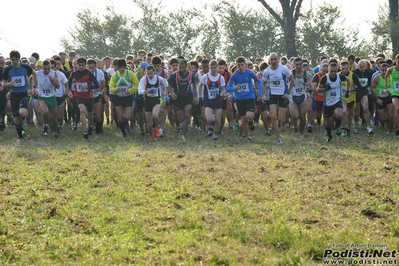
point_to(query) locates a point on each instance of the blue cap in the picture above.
(144, 65)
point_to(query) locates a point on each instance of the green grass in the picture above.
(111, 201)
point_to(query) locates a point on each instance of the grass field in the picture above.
(115, 201)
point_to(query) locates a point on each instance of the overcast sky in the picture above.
(33, 28)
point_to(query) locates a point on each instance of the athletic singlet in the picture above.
(79, 92)
(212, 89)
(395, 82)
(153, 90)
(97, 92)
(380, 88)
(183, 85)
(45, 87)
(352, 93)
(299, 87)
(123, 83)
(334, 95)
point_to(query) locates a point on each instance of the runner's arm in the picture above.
(135, 82)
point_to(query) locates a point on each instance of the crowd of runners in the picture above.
(143, 91)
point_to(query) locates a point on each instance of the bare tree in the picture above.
(287, 20)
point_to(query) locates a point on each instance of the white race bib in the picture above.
(396, 85)
(152, 92)
(79, 86)
(332, 95)
(213, 93)
(275, 83)
(19, 81)
(363, 82)
(383, 94)
(244, 87)
(46, 92)
(122, 93)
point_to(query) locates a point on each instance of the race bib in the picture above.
(244, 87)
(275, 83)
(46, 92)
(122, 93)
(213, 93)
(79, 86)
(363, 82)
(19, 81)
(332, 95)
(396, 85)
(385, 93)
(298, 91)
(152, 92)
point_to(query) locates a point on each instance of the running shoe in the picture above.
(356, 128)
(370, 130)
(45, 131)
(157, 132)
(279, 141)
(86, 134)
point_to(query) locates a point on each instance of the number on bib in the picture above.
(213, 93)
(363, 82)
(152, 92)
(80, 85)
(19, 81)
(275, 83)
(396, 85)
(244, 87)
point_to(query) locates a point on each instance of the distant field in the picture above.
(115, 201)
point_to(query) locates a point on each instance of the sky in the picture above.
(35, 31)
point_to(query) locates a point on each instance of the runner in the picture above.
(203, 69)
(182, 95)
(298, 105)
(153, 87)
(330, 84)
(364, 76)
(123, 84)
(275, 77)
(3, 97)
(213, 86)
(392, 81)
(383, 98)
(47, 84)
(161, 72)
(226, 99)
(15, 78)
(349, 100)
(98, 96)
(84, 82)
(60, 93)
(319, 97)
(243, 90)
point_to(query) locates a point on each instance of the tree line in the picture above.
(229, 30)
